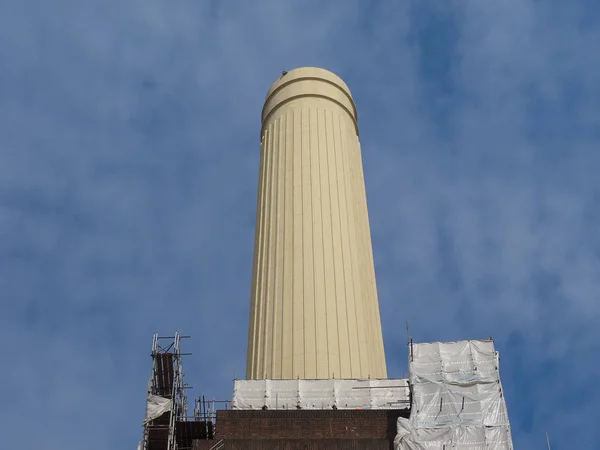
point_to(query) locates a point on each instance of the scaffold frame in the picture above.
(167, 382)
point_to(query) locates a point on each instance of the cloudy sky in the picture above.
(129, 146)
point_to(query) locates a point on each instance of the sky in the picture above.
(129, 156)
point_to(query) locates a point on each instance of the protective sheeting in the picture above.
(156, 406)
(321, 394)
(457, 402)
(464, 437)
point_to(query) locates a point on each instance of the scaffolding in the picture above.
(166, 401)
(205, 411)
(167, 425)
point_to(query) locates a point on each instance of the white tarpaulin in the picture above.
(464, 437)
(156, 406)
(458, 402)
(320, 394)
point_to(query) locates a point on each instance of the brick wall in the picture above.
(305, 430)
(298, 444)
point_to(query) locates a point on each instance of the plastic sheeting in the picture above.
(321, 394)
(458, 402)
(156, 406)
(467, 437)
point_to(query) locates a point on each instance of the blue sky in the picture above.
(129, 154)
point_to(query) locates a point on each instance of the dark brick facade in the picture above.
(305, 430)
(297, 444)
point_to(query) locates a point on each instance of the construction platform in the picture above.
(269, 414)
(453, 398)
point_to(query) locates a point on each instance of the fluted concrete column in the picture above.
(314, 308)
